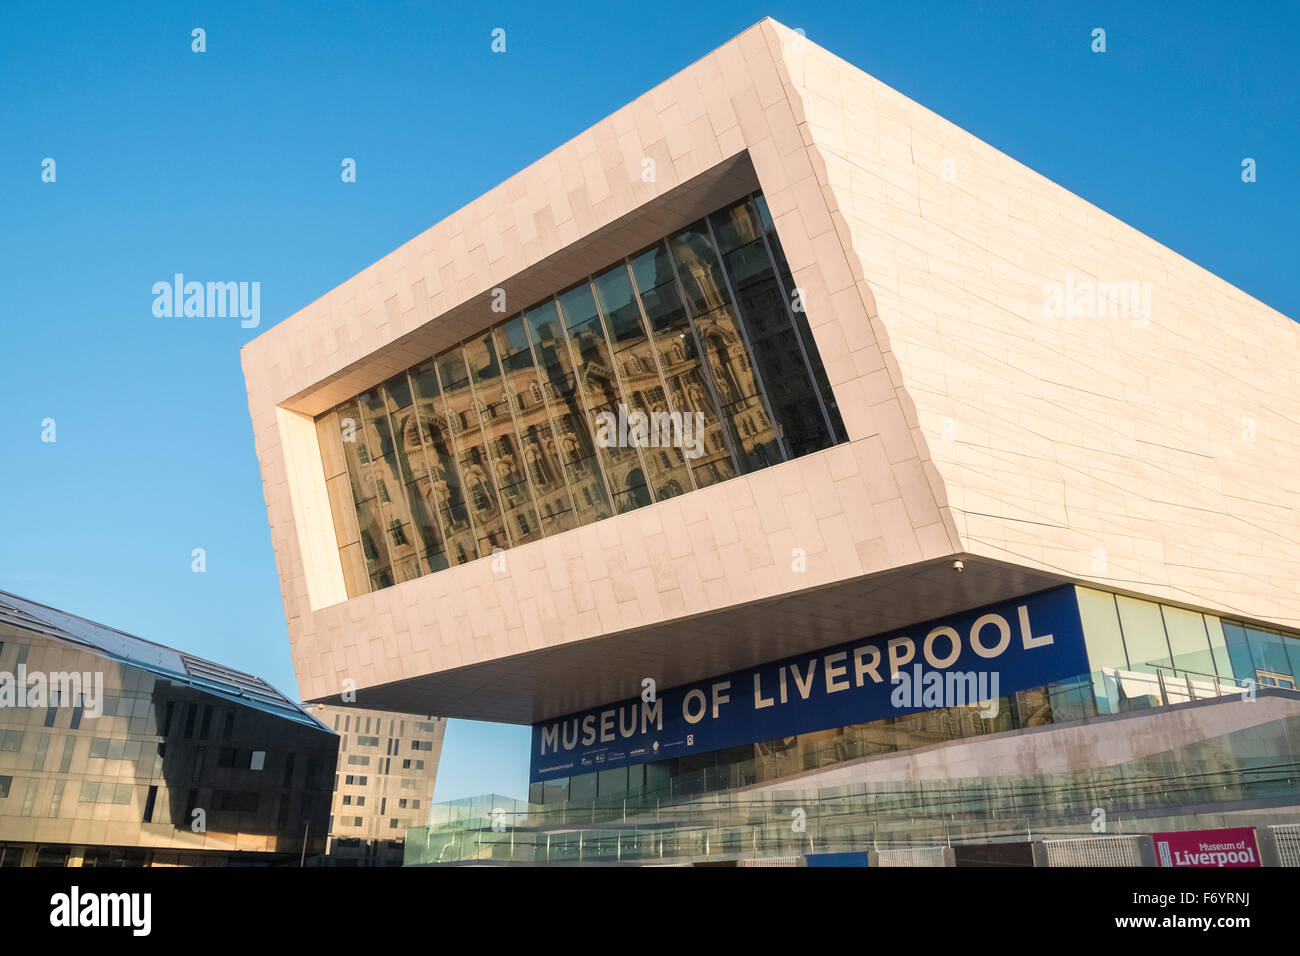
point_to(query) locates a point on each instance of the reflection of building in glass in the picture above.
(705, 323)
(386, 771)
(183, 762)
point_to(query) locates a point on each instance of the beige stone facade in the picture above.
(387, 769)
(1143, 441)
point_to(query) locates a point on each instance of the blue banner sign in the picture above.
(967, 659)
(837, 859)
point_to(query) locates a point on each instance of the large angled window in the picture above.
(679, 367)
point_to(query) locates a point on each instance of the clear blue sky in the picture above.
(225, 165)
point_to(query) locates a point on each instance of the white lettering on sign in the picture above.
(989, 637)
(694, 694)
(835, 670)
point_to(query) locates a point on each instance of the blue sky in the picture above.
(225, 165)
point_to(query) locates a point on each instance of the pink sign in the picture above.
(1231, 847)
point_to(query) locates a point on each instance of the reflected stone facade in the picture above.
(458, 457)
(146, 756)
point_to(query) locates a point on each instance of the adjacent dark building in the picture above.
(115, 751)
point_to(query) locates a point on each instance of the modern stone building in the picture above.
(115, 751)
(769, 387)
(388, 764)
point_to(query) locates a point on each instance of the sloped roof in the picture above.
(178, 666)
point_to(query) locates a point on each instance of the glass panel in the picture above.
(549, 344)
(358, 445)
(503, 445)
(390, 486)
(1101, 633)
(614, 287)
(374, 543)
(697, 266)
(1243, 665)
(440, 455)
(574, 437)
(410, 434)
(612, 783)
(650, 424)
(786, 379)
(1219, 646)
(725, 354)
(632, 366)
(555, 791)
(597, 379)
(700, 435)
(799, 313)
(388, 411)
(1272, 660)
(338, 487)
(1144, 634)
(540, 452)
(753, 433)
(582, 787)
(475, 467)
(1188, 641)
(1105, 644)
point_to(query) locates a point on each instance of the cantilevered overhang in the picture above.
(539, 685)
(685, 577)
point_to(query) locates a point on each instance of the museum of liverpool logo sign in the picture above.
(995, 650)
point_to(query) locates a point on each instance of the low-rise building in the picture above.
(387, 767)
(116, 751)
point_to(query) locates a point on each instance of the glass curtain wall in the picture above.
(1143, 654)
(682, 366)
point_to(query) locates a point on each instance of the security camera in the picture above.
(958, 566)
